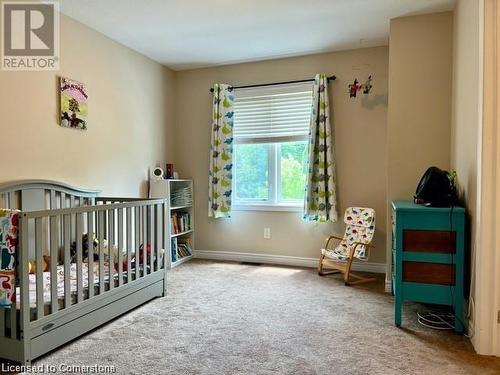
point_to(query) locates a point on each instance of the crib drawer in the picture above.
(429, 273)
(60, 333)
(430, 241)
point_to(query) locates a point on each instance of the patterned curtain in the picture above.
(221, 153)
(320, 203)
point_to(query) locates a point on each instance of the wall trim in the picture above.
(388, 285)
(282, 260)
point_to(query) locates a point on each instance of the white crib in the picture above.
(77, 293)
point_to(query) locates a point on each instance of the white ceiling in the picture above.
(185, 34)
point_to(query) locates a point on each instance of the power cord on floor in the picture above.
(436, 320)
(440, 320)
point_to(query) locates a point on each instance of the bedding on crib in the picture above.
(60, 282)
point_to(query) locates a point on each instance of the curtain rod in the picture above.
(331, 78)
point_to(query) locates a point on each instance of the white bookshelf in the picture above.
(181, 233)
(168, 188)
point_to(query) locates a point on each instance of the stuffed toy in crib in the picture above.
(85, 248)
(113, 250)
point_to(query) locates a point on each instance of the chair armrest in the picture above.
(365, 244)
(356, 244)
(330, 238)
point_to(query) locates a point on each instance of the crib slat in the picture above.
(79, 252)
(67, 260)
(128, 213)
(40, 303)
(2, 322)
(72, 226)
(111, 242)
(165, 213)
(53, 204)
(120, 246)
(137, 241)
(13, 320)
(101, 251)
(144, 240)
(90, 266)
(159, 231)
(151, 238)
(53, 264)
(10, 200)
(62, 204)
(24, 280)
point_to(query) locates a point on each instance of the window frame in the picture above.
(275, 202)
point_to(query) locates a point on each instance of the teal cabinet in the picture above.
(428, 257)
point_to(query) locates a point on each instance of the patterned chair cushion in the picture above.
(9, 223)
(360, 227)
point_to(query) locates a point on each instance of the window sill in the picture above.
(267, 207)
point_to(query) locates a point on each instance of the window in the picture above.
(271, 127)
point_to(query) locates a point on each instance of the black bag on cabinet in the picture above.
(436, 189)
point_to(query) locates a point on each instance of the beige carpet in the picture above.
(228, 318)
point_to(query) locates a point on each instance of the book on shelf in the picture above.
(174, 249)
(181, 222)
(181, 247)
(184, 246)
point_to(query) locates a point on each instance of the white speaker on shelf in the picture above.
(156, 174)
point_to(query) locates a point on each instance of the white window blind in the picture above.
(269, 115)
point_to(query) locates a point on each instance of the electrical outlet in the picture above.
(267, 233)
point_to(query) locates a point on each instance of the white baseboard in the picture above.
(388, 286)
(280, 260)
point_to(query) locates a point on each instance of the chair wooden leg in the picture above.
(320, 264)
(320, 268)
(359, 279)
(362, 281)
(347, 272)
(325, 273)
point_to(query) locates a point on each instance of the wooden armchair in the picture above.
(356, 243)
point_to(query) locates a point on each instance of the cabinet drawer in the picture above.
(429, 241)
(429, 273)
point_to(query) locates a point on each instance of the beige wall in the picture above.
(360, 141)
(419, 112)
(465, 100)
(420, 76)
(466, 109)
(130, 123)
